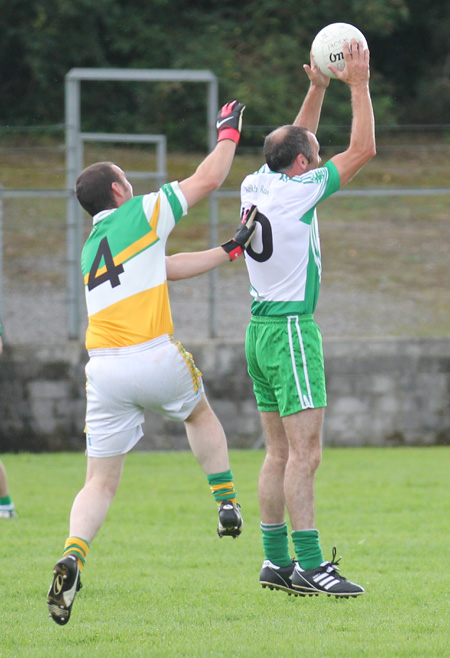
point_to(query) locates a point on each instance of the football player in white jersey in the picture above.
(283, 343)
(134, 363)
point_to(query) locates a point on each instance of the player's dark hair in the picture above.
(93, 187)
(284, 144)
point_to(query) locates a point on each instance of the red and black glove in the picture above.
(229, 121)
(241, 239)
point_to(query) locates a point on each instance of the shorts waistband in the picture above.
(131, 349)
(273, 319)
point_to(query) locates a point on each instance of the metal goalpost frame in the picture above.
(74, 164)
(160, 175)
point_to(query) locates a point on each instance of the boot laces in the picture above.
(332, 566)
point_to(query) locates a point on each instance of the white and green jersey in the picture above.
(124, 269)
(283, 259)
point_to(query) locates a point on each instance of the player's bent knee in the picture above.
(202, 409)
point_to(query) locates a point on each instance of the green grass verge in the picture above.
(159, 582)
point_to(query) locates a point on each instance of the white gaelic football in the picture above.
(328, 45)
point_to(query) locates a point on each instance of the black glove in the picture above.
(241, 239)
(229, 121)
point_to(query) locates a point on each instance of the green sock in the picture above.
(275, 543)
(6, 500)
(307, 548)
(222, 486)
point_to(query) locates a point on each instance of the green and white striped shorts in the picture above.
(285, 361)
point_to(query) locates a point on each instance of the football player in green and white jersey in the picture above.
(283, 343)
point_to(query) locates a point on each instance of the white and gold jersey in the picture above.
(124, 270)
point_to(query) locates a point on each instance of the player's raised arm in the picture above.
(211, 173)
(356, 74)
(309, 114)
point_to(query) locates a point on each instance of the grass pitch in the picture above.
(159, 582)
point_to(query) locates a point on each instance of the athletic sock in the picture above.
(78, 547)
(222, 487)
(6, 503)
(275, 543)
(307, 548)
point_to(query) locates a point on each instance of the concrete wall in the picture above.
(380, 392)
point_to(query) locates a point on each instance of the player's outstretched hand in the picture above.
(356, 71)
(229, 121)
(241, 239)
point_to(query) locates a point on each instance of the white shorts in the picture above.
(122, 382)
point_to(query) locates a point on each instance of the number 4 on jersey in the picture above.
(112, 271)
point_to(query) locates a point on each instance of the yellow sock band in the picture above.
(77, 546)
(225, 491)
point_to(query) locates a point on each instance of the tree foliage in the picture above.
(256, 49)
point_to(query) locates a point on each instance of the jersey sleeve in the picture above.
(165, 208)
(334, 180)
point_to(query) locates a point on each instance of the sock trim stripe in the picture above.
(268, 527)
(228, 486)
(226, 496)
(75, 548)
(223, 491)
(84, 541)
